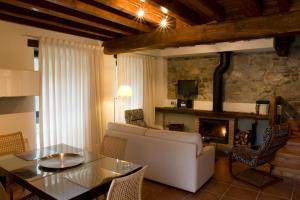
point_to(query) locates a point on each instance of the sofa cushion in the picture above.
(185, 137)
(127, 128)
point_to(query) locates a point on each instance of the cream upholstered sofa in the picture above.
(174, 158)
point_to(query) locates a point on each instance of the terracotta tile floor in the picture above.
(223, 187)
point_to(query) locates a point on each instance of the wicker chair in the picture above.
(128, 187)
(3, 194)
(113, 147)
(12, 143)
(135, 117)
(274, 138)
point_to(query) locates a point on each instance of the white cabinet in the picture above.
(16, 83)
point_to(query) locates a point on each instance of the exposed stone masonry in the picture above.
(251, 76)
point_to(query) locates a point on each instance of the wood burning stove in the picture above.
(214, 130)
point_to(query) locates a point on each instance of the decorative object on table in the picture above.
(135, 117)
(61, 160)
(113, 147)
(127, 187)
(12, 143)
(123, 91)
(274, 138)
(262, 107)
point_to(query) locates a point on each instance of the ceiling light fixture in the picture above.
(164, 10)
(140, 13)
(164, 22)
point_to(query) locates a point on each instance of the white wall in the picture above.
(18, 114)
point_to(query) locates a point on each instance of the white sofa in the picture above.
(174, 158)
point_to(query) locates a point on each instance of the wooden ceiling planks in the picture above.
(182, 12)
(53, 16)
(152, 13)
(209, 8)
(25, 21)
(251, 8)
(101, 13)
(283, 5)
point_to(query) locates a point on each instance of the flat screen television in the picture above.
(187, 88)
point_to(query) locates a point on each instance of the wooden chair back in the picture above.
(12, 143)
(127, 187)
(113, 147)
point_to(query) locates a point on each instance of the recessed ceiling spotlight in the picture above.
(164, 22)
(164, 10)
(140, 12)
(35, 9)
(142, 1)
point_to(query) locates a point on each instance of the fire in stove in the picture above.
(214, 130)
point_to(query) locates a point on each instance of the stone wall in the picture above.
(251, 76)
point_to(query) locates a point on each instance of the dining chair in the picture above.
(113, 147)
(12, 143)
(3, 194)
(127, 187)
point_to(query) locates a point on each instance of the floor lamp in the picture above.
(123, 91)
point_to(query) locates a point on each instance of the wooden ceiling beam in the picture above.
(6, 16)
(101, 13)
(243, 29)
(47, 19)
(54, 16)
(43, 8)
(283, 5)
(83, 15)
(152, 14)
(209, 8)
(282, 44)
(180, 11)
(251, 8)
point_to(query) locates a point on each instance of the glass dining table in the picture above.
(87, 180)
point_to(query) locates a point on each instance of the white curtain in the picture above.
(150, 64)
(70, 102)
(137, 71)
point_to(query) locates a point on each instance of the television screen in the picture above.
(187, 88)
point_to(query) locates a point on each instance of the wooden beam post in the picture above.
(244, 29)
(282, 44)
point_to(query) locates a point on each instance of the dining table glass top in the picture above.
(96, 172)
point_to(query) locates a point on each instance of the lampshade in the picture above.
(124, 91)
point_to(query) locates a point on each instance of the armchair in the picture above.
(274, 138)
(135, 117)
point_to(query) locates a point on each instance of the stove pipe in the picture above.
(218, 81)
